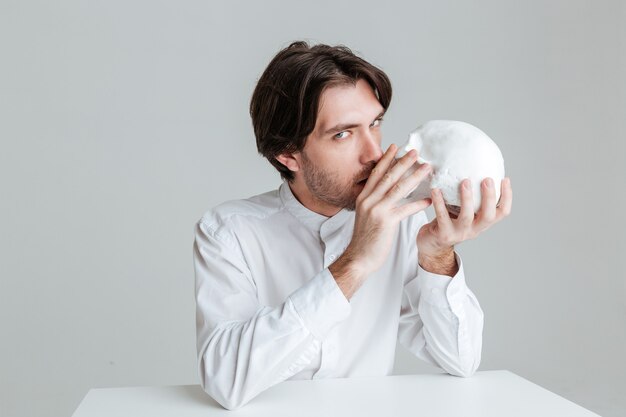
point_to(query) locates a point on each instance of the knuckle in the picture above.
(407, 159)
(447, 240)
(422, 171)
(489, 216)
(467, 234)
(376, 213)
(489, 220)
(364, 203)
(466, 224)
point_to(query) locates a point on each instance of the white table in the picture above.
(486, 394)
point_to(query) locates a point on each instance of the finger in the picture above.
(405, 185)
(379, 170)
(413, 207)
(393, 174)
(506, 199)
(487, 214)
(394, 161)
(443, 218)
(466, 216)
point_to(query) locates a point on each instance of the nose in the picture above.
(371, 150)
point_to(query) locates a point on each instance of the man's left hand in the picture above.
(436, 240)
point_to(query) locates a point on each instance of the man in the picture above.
(323, 276)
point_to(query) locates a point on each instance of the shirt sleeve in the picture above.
(244, 347)
(441, 320)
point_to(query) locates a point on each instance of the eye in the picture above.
(338, 135)
(377, 122)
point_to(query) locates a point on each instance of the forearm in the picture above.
(452, 320)
(453, 332)
(441, 321)
(239, 360)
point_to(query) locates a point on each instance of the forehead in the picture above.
(347, 104)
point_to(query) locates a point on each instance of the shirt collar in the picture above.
(309, 218)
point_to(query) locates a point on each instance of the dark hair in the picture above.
(284, 104)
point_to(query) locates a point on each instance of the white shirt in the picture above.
(268, 309)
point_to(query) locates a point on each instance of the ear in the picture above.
(290, 160)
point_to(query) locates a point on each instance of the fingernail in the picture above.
(466, 185)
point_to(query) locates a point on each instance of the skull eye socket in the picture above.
(453, 210)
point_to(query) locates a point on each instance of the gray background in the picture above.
(123, 121)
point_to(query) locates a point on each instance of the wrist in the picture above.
(442, 262)
(348, 274)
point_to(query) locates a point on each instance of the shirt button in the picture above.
(332, 257)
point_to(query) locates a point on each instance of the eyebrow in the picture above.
(341, 127)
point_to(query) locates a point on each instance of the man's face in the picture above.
(342, 150)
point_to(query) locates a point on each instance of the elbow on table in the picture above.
(463, 367)
(228, 400)
(463, 373)
(465, 370)
(224, 391)
(231, 404)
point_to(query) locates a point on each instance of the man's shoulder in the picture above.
(257, 207)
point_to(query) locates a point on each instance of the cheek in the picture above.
(342, 165)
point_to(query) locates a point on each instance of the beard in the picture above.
(327, 186)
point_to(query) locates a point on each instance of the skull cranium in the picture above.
(455, 150)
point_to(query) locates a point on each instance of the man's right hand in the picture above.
(377, 216)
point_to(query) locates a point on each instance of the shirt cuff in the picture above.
(321, 304)
(442, 290)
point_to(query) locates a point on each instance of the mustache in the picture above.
(366, 172)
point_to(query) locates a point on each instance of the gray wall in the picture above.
(123, 121)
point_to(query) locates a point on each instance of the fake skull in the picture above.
(455, 150)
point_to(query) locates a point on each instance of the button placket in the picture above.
(333, 239)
